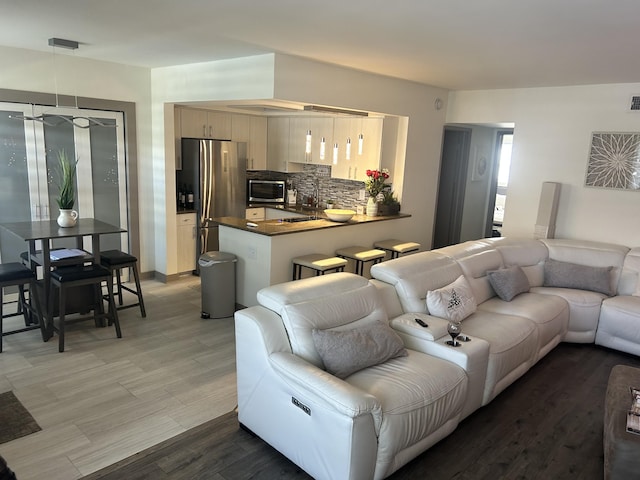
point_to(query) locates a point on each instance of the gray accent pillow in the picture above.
(347, 351)
(582, 277)
(508, 282)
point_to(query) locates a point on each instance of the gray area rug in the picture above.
(15, 420)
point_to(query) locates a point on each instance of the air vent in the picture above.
(635, 103)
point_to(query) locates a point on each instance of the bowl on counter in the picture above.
(339, 215)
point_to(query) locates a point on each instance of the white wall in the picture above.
(552, 135)
(28, 70)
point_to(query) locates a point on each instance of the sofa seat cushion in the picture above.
(513, 343)
(619, 325)
(584, 311)
(419, 395)
(550, 313)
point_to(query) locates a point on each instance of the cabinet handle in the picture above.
(193, 232)
(204, 130)
(355, 172)
(210, 131)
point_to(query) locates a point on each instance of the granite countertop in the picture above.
(280, 227)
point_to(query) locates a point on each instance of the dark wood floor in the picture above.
(547, 425)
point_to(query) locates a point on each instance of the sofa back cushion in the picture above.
(628, 283)
(593, 254)
(339, 301)
(527, 253)
(475, 268)
(414, 275)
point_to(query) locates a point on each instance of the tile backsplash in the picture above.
(343, 192)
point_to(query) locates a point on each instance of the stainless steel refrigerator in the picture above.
(217, 171)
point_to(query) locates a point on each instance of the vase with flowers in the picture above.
(374, 185)
(66, 183)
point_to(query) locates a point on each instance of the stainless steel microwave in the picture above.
(266, 191)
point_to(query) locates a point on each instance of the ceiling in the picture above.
(455, 44)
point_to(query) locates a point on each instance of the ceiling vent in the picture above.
(635, 103)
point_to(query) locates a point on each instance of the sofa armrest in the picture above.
(326, 389)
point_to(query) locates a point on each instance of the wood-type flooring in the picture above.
(547, 425)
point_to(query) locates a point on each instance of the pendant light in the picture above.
(360, 143)
(335, 153)
(348, 149)
(53, 120)
(307, 145)
(322, 148)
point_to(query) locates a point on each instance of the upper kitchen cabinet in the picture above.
(251, 129)
(321, 146)
(279, 145)
(361, 160)
(197, 123)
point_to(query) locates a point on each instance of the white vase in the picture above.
(372, 207)
(67, 217)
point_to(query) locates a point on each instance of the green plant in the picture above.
(388, 197)
(66, 181)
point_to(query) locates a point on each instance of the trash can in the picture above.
(218, 284)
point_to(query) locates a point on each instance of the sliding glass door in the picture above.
(29, 161)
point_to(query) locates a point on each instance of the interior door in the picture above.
(452, 185)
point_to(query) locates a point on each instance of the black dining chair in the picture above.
(65, 279)
(15, 274)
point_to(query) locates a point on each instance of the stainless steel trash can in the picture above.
(218, 284)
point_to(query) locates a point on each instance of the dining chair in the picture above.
(67, 278)
(115, 261)
(16, 274)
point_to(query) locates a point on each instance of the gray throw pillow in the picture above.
(345, 352)
(508, 282)
(582, 277)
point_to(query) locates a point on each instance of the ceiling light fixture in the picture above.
(348, 149)
(322, 148)
(335, 153)
(307, 144)
(360, 143)
(53, 120)
(341, 111)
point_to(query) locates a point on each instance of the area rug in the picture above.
(15, 420)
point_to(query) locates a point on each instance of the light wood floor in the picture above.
(105, 398)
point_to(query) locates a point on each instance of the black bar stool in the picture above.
(16, 274)
(65, 278)
(318, 262)
(115, 261)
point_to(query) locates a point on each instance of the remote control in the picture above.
(421, 323)
(251, 224)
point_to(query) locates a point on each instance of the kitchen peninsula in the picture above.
(265, 250)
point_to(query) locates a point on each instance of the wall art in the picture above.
(614, 161)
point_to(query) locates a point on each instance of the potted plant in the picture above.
(374, 185)
(390, 204)
(330, 203)
(66, 183)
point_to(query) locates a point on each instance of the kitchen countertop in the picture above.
(279, 227)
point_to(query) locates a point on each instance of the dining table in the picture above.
(46, 231)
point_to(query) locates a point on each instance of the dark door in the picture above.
(452, 185)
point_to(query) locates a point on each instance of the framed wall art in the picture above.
(614, 161)
(480, 165)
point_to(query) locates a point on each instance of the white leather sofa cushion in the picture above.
(584, 310)
(513, 341)
(422, 399)
(619, 325)
(475, 267)
(528, 254)
(549, 313)
(628, 283)
(414, 275)
(337, 301)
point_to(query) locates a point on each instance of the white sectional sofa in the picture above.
(323, 379)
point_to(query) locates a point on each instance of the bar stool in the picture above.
(318, 262)
(15, 274)
(115, 261)
(65, 278)
(397, 247)
(361, 255)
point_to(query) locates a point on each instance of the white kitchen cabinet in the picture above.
(357, 166)
(251, 129)
(198, 123)
(277, 143)
(186, 242)
(255, 213)
(320, 127)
